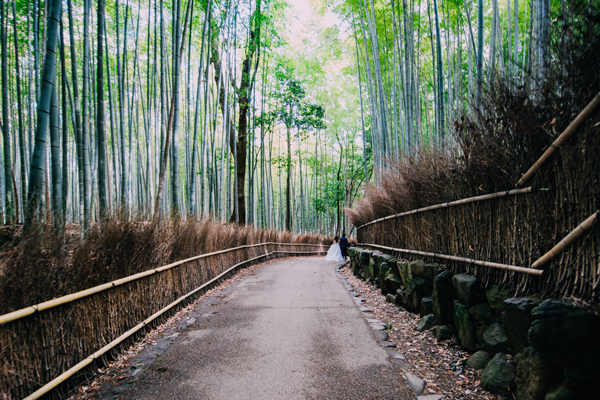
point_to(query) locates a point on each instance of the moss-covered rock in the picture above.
(365, 257)
(400, 296)
(534, 375)
(404, 272)
(464, 326)
(426, 323)
(383, 270)
(426, 307)
(444, 332)
(480, 331)
(560, 392)
(495, 296)
(495, 339)
(563, 332)
(517, 320)
(423, 270)
(483, 313)
(498, 374)
(392, 279)
(479, 359)
(468, 289)
(443, 298)
(417, 289)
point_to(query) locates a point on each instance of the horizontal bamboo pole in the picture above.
(560, 140)
(24, 312)
(567, 241)
(452, 203)
(79, 366)
(460, 259)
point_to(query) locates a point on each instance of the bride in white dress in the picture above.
(334, 253)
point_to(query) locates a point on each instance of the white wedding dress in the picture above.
(334, 253)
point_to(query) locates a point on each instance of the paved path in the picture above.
(290, 331)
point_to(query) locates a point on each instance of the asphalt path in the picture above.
(289, 331)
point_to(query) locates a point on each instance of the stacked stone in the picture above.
(539, 350)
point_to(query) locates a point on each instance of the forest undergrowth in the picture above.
(46, 263)
(492, 146)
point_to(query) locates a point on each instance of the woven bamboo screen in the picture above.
(518, 229)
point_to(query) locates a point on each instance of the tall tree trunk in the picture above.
(113, 138)
(36, 176)
(515, 60)
(377, 65)
(86, 116)
(479, 52)
(55, 161)
(76, 102)
(362, 115)
(408, 76)
(375, 116)
(100, 114)
(29, 89)
(440, 84)
(36, 47)
(472, 50)
(176, 66)
(5, 119)
(166, 150)
(543, 39)
(65, 131)
(121, 89)
(493, 29)
(288, 183)
(244, 92)
(22, 144)
(192, 179)
(527, 71)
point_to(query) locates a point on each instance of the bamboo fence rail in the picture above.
(37, 348)
(558, 143)
(456, 258)
(97, 289)
(491, 196)
(581, 229)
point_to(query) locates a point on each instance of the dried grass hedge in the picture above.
(494, 148)
(45, 265)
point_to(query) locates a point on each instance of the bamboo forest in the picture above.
(270, 113)
(300, 199)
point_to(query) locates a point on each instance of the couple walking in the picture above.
(338, 250)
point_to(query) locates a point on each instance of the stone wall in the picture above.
(538, 349)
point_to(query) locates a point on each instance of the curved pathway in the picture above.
(290, 331)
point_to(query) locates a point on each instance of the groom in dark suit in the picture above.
(344, 245)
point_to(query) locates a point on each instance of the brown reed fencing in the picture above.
(551, 226)
(515, 229)
(39, 343)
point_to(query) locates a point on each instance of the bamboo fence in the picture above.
(507, 267)
(42, 346)
(550, 226)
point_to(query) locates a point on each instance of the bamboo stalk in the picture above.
(567, 241)
(461, 259)
(78, 367)
(560, 140)
(24, 312)
(452, 203)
